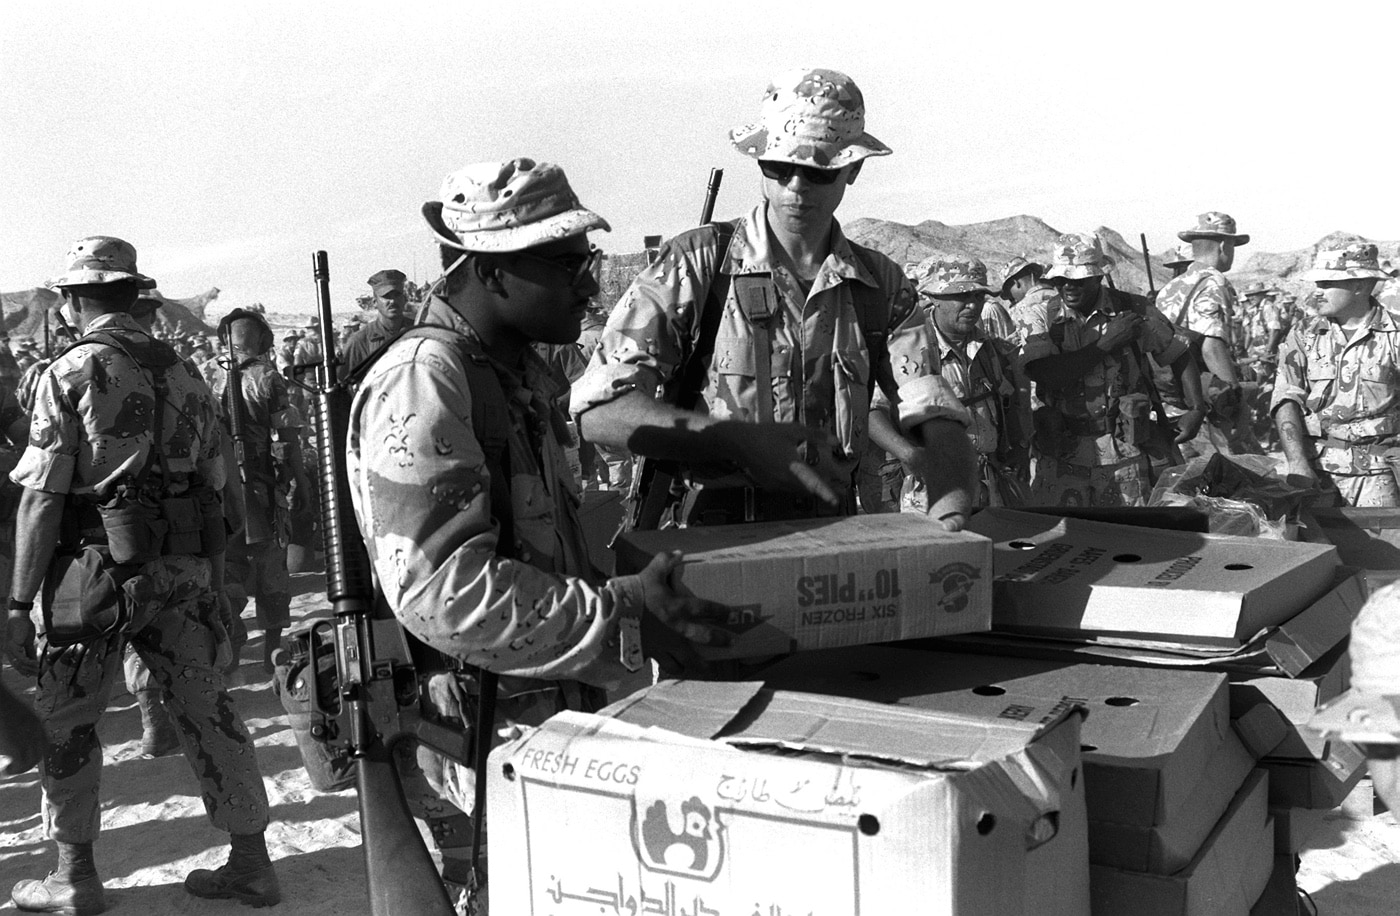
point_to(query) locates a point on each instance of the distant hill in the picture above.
(24, 312)
(994, 242)
(997, 241)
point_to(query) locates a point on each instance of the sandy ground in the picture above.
(155, 830)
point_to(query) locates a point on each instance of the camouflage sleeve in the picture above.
(1209, 310)
(1161, 338)
(1291, 377)
(282, 413)
(923, 393)
(55, 435)
(651, 328)
(1272, 321)
(421, 491)
(1033, 327)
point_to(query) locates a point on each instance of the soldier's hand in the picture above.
(947, 466)
(770, 454)
(447, 695)
(695, 619)
(21, 735)
(19, 645)
(1121, 330)
(1188, 425)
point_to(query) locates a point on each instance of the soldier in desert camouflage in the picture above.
(1085, 351)
(1337, 392)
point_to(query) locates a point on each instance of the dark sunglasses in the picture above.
(782, 172)
(1066, 281)
(576, 264)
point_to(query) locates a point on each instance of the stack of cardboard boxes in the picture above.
(952, 772)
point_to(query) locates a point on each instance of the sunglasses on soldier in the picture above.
(576, 264)
(782, 172)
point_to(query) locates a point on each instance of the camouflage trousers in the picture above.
(1368, 491)
(172, 607)
(1058, 483)
(261, 574)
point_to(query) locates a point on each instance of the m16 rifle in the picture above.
(378, 696)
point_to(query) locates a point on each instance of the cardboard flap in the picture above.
(697, 709)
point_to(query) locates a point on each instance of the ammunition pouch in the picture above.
(138, 528)
(83, 599)
(133, 528)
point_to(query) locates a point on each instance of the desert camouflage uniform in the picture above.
(1201, 300)
(1089, 435)
(980, 377)
(1349, 391)
(820, 365)
(257, 558)
(1036, 297)
(421, 490)
(997, 321)
(10, 413)
(90, 429)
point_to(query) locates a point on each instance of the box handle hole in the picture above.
(986, 823)
(989, 690)
(1237, 566)
(1127, 558)
(508, 771)
(1021, 545)
(868, 824)
(1120, 701)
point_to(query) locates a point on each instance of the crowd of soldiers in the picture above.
(764, 368)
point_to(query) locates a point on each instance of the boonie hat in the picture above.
(810, 117)
(101, 259)
(1077, 256)
(1254, 288)
(385, 280)
(952, 276)
(1370, 711)
(147, 301)
(1179, 255)
(1014, 268)
(1354, 261)
(1214, 225)
(508, 206)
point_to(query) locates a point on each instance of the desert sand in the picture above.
(155, 829)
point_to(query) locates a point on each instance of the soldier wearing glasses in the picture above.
(803, 330)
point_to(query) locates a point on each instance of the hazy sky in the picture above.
(228, 141)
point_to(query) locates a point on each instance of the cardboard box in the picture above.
(1147, 742)
(1069, 576)
(1227, 876)
(1170, 847)
(1293, 827)
(1261, 728)
(1280, 897)
(820, 583)
(775, 802)
(1321, 783)
(1288, 649)
(1296, 699)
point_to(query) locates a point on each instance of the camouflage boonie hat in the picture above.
(1077, 256)
(1214, 225)
(1370, 711)
(1014, 268)
(101, 259)
(952, 276)
(1356, 260)
(1254, 288)
(810, 117)
(508, 206)
(1180, 255)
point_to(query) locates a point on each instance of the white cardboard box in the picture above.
(822, 583)
(773, 802)
(1075, 577)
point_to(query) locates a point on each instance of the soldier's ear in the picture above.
(488, 273)
(855, 170)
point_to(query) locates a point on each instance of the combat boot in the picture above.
(72, 888)
(159, 736)
(247, 877)
(272, 641)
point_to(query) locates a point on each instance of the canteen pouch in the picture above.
(328, 762)
(184, 526)
(135, 531)
(82, 599)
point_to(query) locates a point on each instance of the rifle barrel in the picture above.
(707, 212)
(1147, 264)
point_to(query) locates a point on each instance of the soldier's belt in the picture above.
(1377, 450)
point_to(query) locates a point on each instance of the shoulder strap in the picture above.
(490, 422)
(691, 378)
(159, 357)
(873, 310)
(1186, 303)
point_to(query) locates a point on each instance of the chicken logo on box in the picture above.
(684, 839)
(957, 580)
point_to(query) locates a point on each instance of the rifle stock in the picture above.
(377, 686)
